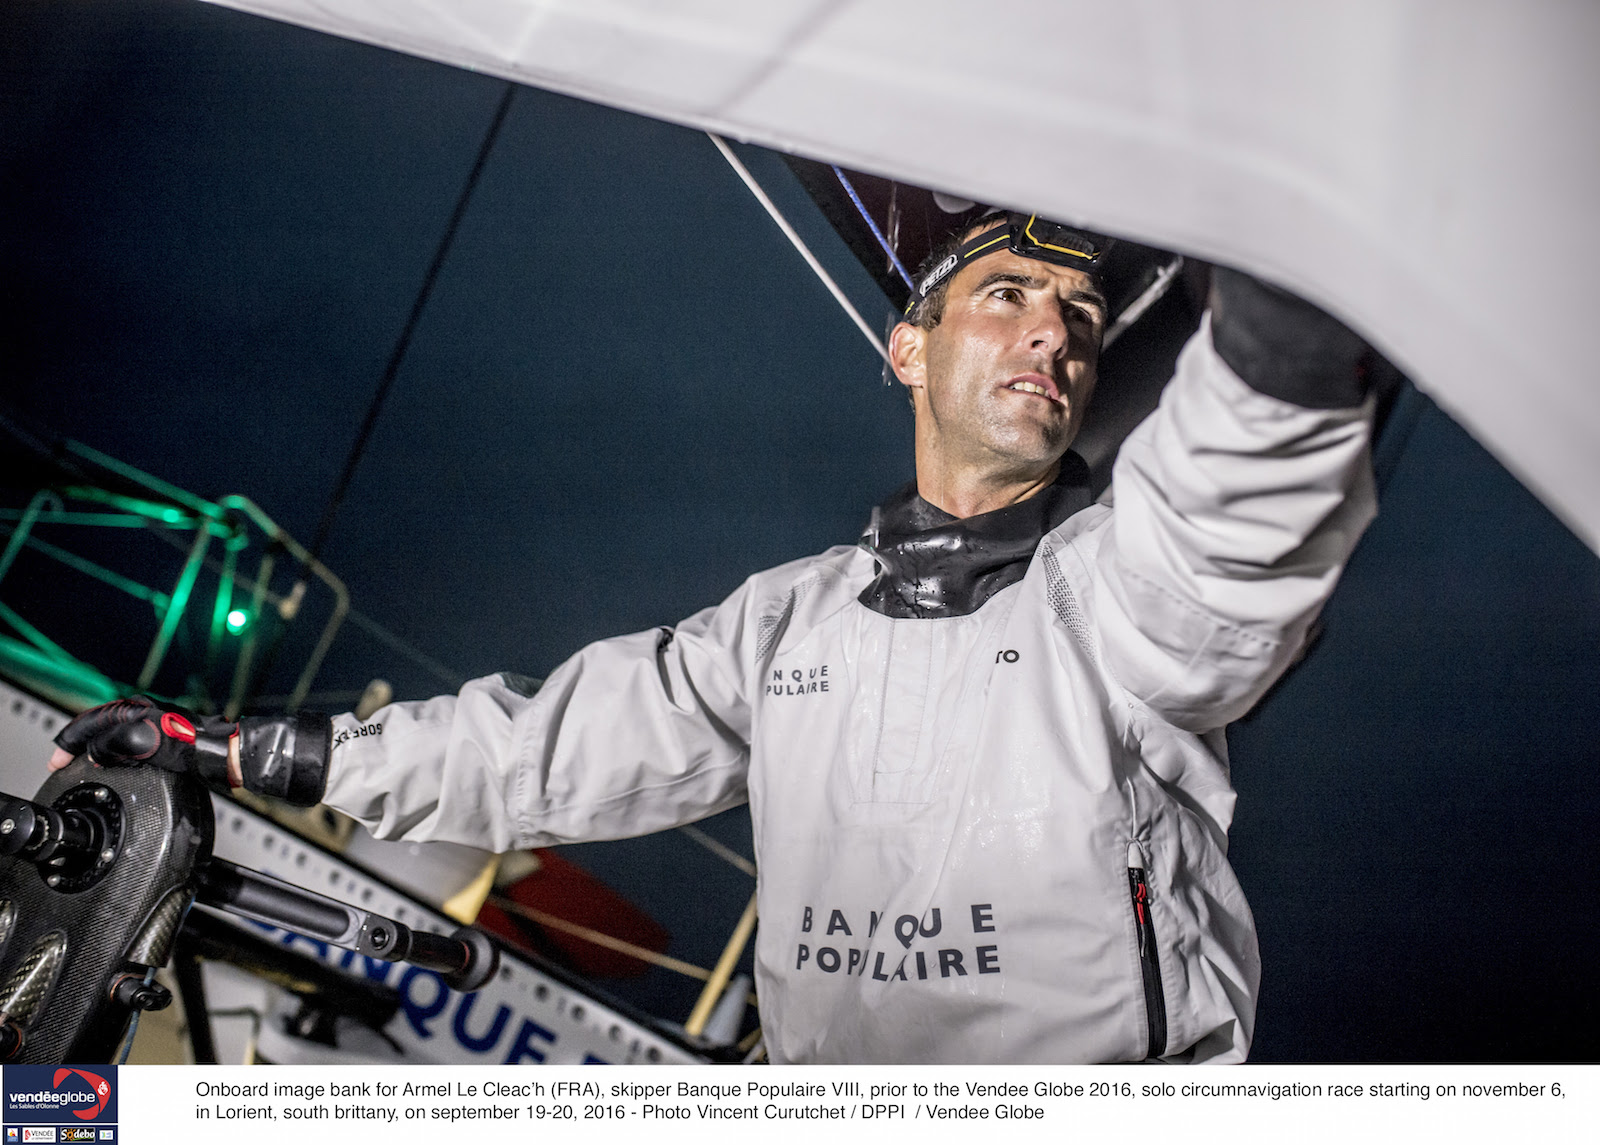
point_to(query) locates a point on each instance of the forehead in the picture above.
(1065, 280)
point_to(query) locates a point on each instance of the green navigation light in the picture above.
(237, 619)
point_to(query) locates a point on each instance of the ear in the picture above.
(907, 344)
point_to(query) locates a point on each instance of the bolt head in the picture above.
(53, 881)
(101, 794)
(7, 826)
(107, 855)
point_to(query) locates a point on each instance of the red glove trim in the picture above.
(177, 727)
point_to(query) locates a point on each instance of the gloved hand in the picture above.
(285, 757)
(1283, 346)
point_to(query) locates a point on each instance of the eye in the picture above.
(1009, 294)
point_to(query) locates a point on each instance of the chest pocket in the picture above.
(918, 690)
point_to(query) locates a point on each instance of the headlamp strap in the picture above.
(1027, 235)
(976, 246)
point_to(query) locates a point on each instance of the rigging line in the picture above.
(876, 233)
(799, 244)
(1152, 294)
(410, 651)
(355, 616)
(695, 1023)
(403, 342)
(263, 669)
(599, 938)
(721, 850)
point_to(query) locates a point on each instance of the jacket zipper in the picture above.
(1155, 1002)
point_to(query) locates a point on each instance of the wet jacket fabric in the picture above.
(991, 812)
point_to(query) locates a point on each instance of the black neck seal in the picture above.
(931, 564)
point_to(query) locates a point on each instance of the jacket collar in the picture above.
(932, 565)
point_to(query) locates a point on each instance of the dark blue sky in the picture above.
(627, 393)
(227, 221)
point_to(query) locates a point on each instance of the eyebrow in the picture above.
(1093, 297)
(1012, 276)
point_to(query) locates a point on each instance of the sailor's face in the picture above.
(1010, 367)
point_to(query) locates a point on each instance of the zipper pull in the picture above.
(1141, 894)
(1149, 964)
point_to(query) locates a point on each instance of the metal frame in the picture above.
(238, 523)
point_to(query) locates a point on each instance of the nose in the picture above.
(1049, 334)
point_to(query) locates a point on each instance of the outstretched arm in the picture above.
(631, 735)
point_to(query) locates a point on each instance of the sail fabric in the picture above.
(1424, 169)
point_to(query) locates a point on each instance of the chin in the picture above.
(1032, 454)
(1036, 443)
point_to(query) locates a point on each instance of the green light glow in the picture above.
(237, 619)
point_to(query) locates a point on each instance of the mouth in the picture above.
(1036, 384)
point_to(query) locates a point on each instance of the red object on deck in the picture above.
(565, 890)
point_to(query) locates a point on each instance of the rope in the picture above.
(643, 954)
(403, 342)
(799, 244)
(876, 233)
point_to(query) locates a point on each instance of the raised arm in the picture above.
(1236, 505)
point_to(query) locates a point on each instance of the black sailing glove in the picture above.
(285, 757)
(1285, 347)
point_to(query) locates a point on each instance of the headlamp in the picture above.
(1023, 234)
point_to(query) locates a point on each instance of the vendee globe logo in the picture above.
(99, 1085)
(60, 1094)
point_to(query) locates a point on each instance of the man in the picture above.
(984, 749)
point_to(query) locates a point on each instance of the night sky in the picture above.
(627, 393)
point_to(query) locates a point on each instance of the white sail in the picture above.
(1426, 169)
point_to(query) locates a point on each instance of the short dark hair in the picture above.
(927, 313)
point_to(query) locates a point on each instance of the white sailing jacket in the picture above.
(991, 837)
